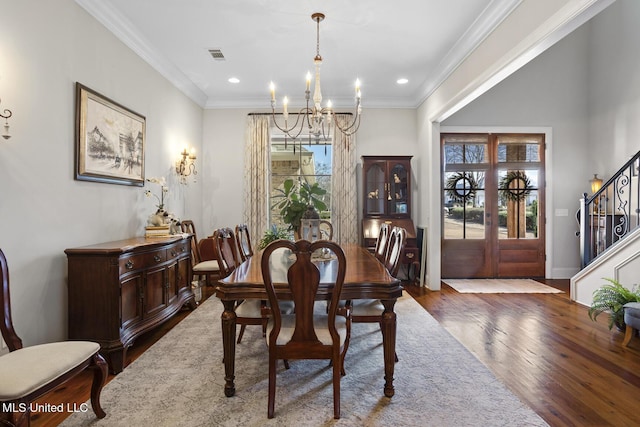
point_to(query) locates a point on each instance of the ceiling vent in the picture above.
(216, 54)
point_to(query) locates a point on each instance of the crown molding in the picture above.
(486, 22)
(121, 27)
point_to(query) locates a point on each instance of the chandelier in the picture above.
(317, 119)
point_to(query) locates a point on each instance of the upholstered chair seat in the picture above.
(25, 370)
(28, 373)
(319, 325)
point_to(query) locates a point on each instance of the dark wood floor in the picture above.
(570, 370)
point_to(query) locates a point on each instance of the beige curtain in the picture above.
(344, 193)
(256, 177)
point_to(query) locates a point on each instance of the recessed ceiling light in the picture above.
(402, 81)
(234, 80)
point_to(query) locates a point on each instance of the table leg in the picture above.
(388, 327)
(229, 346)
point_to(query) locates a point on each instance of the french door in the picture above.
(493, 198)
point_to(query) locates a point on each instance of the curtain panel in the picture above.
(257, 167)
(344, 191)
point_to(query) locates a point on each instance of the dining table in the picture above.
(365, 278)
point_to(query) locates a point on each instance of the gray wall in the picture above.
(45, 47)
(586, 89)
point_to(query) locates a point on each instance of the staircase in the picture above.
(610, 234)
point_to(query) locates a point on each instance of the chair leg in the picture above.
(99, 367)
(337, 373)
(628, 334)
(272, 387)
(242, 328)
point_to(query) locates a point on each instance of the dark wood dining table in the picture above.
(366, 278)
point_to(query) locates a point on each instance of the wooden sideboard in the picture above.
(118, 290)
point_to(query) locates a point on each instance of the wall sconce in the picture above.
(596, 183)
(5, 116)
(186, 165)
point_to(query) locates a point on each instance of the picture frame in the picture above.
(110, 140)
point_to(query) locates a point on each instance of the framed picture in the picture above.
(110, 140)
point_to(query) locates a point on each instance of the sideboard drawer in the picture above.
(141, 261)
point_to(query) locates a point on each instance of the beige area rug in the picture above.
(179, 382)
(500, 286)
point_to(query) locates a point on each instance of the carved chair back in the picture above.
(397, 240)
(382, 242)
(243, 240)
(226, 251)
(8, 333)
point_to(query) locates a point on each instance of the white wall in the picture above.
(614, 87)
(382, 132)
(45, 47)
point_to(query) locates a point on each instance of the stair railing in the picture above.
(611, 213)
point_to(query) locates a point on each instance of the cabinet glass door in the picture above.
(375, 187)
(397, 202)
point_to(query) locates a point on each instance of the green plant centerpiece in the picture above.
(272, 234)
(295, 197)
(611, 298)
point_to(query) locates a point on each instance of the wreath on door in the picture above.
(516, 186)
(461, 187)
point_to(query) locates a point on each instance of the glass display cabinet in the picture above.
(387, 198)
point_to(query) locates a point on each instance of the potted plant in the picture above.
(272, 234)
(294, 198)
(611, 298)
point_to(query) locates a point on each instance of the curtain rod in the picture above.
(279, 114)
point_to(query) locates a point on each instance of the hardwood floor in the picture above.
(543, 347)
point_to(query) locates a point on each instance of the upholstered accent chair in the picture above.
(28, 373)
(632, 320)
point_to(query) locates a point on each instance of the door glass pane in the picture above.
(519, 149)
(464, 209)
(397, 195)
(518, 204)
(375, 190)
(464, 153)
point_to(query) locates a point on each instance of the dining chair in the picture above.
(326, 230)
(243, 241)
(305, 334)
(203, 265)
(395, 247)
(249, 311)
(380, 251)
(28, 373)
(371, 310)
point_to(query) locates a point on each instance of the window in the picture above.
(303, 160)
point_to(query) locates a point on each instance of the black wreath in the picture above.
(520, 190)
(463, 192)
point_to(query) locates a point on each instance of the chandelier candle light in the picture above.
(316, 116)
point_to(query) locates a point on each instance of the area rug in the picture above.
(180, 379)
(500, 286)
